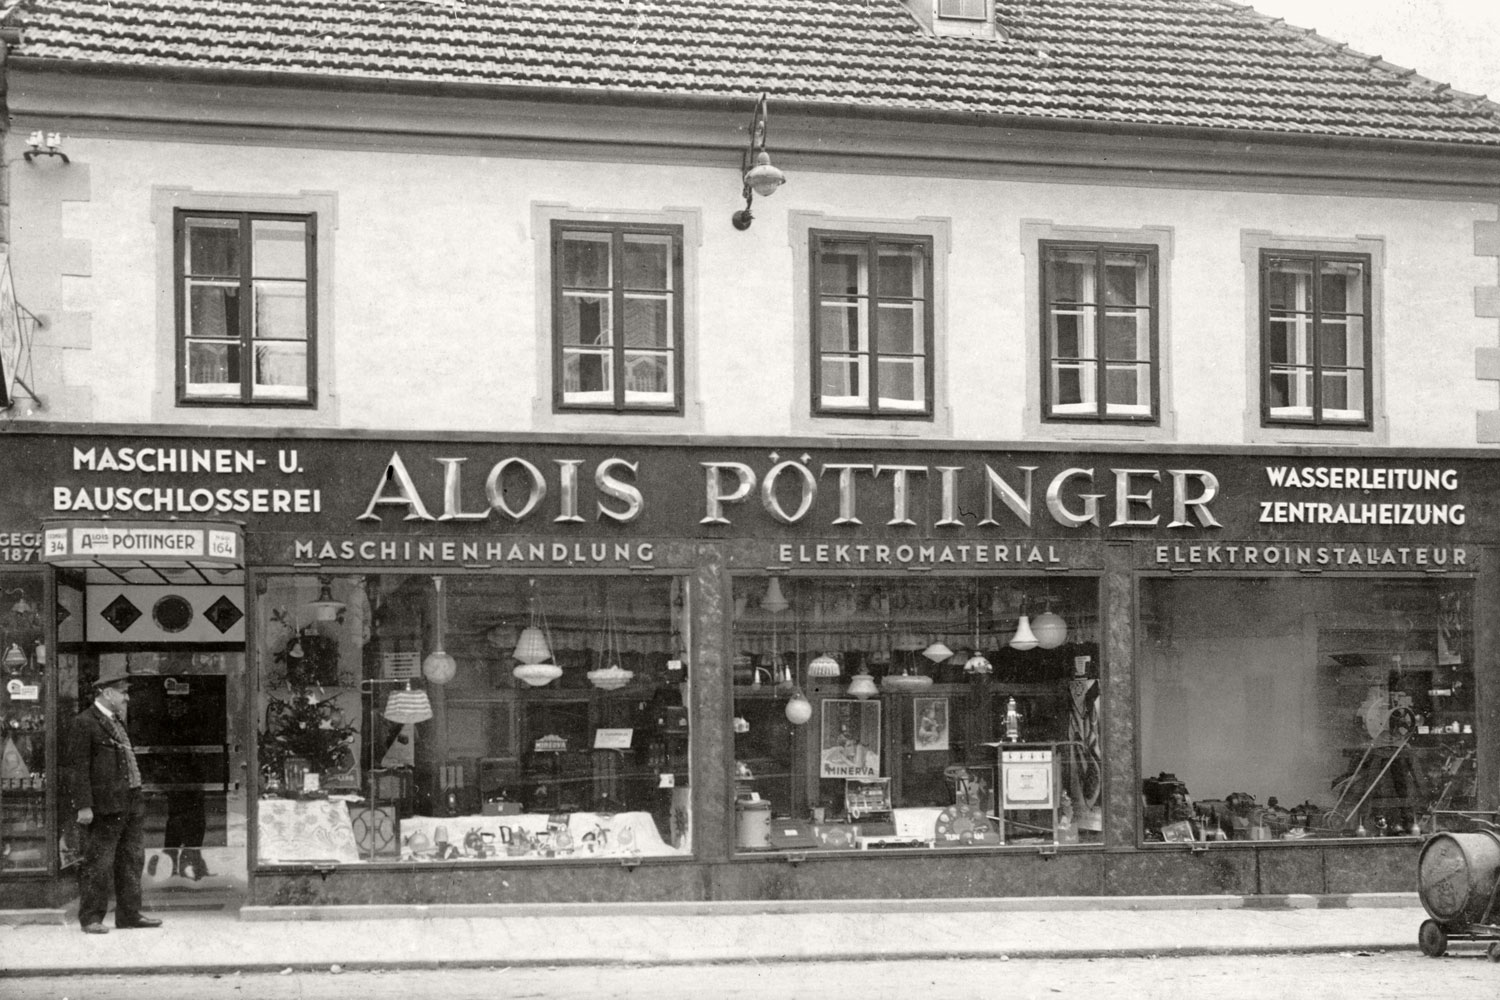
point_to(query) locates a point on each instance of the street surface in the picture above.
(1464, 973)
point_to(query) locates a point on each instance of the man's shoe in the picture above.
(95, 929)
(138, 923)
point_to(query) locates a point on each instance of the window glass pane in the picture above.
(841, 269)
(648, 321)
(584, 319)
(1068, 340)
(280, 370)
(587, 371)
(1342, 286)
(1289, 285)
(901, 381)
(213, 369)
(213, 311)
(901, 272)
(906, 757)
(1286, 708)
(1291, 391)
(1125, 280)
(840, 380)
(1288, 342)
(1070, 276)
(213, 248)
(1341, 341)
(280, 248)
(1124, 386)
(590, 765)
(841, 326)
(281, 310)
(900, 329)
(648, 261)
(1072, 384)
(647, 373)
(585, 260)
(1127, 336)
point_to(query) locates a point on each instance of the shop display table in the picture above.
(305, 830)
(533, 836)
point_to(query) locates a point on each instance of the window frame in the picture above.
(1099, 248)
(246, 219)
(617, 232)
(1316, 258)
(873, 241)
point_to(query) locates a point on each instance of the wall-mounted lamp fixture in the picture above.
(51, 145)
(760, 177)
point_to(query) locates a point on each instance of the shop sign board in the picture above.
(565, 503)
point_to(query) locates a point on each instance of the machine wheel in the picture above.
(1432, 938)
(1494, 952)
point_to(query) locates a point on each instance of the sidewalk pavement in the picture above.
(309, 938)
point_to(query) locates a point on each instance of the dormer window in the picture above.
(955, 18)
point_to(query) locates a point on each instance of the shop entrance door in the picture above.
(184, 720)
(181, 639)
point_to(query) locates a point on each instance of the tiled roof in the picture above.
(1150, 62)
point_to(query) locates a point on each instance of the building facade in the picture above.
(1079, 485)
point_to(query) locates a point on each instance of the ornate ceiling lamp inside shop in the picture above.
(325, 608)
(862, 685)
(756, 171)
(1024, 638)
(823, 666)
(535, 647)
(613, 676)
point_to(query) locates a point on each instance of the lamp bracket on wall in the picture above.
(49, 145)
(760, 177)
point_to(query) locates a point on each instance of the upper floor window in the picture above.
(246, 314)
(871, 324)
(1099, 321)
(1315, 343)
(617, 316)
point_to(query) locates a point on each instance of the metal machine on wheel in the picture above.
(1458, 881)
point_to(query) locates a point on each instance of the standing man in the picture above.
(106, 789)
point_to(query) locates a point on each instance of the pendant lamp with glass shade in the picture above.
(439, 667)
(408, 705)
(1024, 638)
(775, 600)
(611, 677)
(862, 685)
(326, 608)
(1049, 628)
(977, 666)
(823, 666)
(937, 652)
(534, 647)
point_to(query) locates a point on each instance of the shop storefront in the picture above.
(475, 670)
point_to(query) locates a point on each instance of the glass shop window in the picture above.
(886, 713)
(1285, 709)
(24, 766)
(418, 718)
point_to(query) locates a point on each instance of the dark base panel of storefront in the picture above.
(43, 892)
(1276, 871)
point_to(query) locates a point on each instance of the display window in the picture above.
(1288, 708)
(424, 719)
(23, 725)
(885, 713)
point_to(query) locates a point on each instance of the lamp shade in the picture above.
(798, 709)
(439, 667)
(763, 178)
(906, 682)
(610, 678)
(823, 665)
(937, 652)
(1024, 637)
(406, 706)
(537, 674)
(978, 666)
(325, 608)
(1050, 630)
(532, 646)
(14, 657)
(774, 600)
(862, 686)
